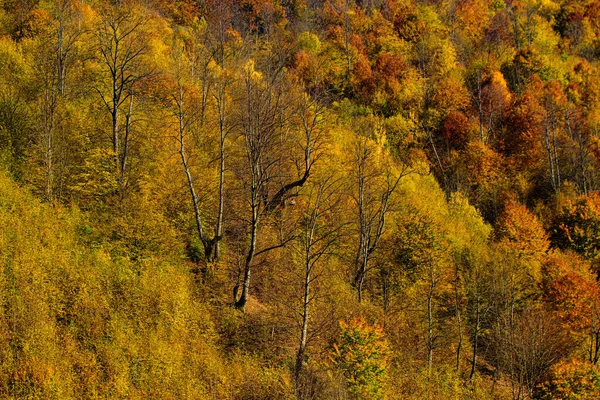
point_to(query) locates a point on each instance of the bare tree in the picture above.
(193, 71)
(220, 97)
(269, 113)
(320, 231)
(433, 280)
(309, 115)
(527, 347)
(373, 205)
(183, 126)
(552, 115)
(580, 155)
(121, 49)
(456, 285)
(477, 307)
(344, 8)
(262, 106)
(54, 58)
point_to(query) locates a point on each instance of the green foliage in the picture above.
(417, 239)
(360, 352)
(309, 42)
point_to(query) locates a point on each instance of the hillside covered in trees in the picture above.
(300, 199)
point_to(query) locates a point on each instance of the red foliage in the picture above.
(523, 142)
(455, 130)
(390, 65)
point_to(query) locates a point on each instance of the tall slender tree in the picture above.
(122, 47)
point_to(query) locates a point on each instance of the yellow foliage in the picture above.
(81, 324)
(250, 72)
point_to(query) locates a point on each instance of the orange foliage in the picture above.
(304, 65)
(362, 68)
(451, 95)
(473, 17)
(523, 231)
(573, 379)
(576, 301)
(484, 164)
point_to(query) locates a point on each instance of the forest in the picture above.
(300, 199)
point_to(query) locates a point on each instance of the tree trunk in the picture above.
(555, 149)
(480, 107)
(126, 140)
(316, 244)
(347, 41)
(475, 339)
(550, 157)
(49, 109)
(240, 302)
(220, 211)
(61, 54)
(458, 322)
(361, 256)
(304, 329)
(430, 337)
(582, 162)
(115, 131)
(359, 279)
(188, 174)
